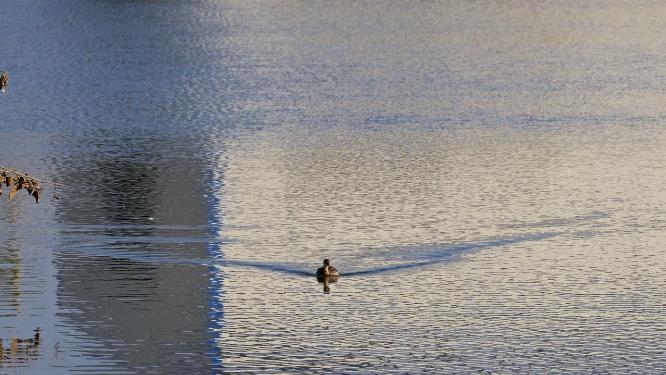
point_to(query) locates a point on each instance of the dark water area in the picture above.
(486, 177)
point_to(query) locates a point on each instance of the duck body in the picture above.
(327, 270)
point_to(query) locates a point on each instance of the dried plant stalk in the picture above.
(15, 181)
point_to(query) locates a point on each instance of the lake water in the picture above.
(487, 176)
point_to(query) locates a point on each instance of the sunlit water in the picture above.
(488, 178)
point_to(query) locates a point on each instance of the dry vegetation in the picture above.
(14, 181)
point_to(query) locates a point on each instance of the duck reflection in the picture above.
(327, 279)
(20, 350)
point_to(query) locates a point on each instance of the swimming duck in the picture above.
(327, 269)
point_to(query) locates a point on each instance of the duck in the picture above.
(327, 270)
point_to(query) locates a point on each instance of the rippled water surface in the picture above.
(488, 178)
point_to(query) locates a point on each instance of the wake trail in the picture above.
(422, 256)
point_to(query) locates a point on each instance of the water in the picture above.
(486, 177)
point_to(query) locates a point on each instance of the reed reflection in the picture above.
(20, 350)
(10, 275)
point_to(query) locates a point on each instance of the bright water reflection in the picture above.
(487, 177)
(471, 253)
